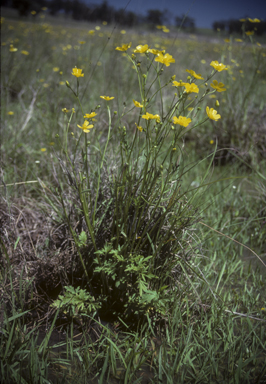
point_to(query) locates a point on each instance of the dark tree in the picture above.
(234, 26)
(219, 25)
(23, 6)
(155, 17)
(185, 23)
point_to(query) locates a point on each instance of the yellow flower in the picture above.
(212, 114)
(242, 20)
(227, 40)
(194, 74)
(12, 49)
(81, 42)
(191, 88)
(179, 83)
(77, 72)
(124, 47)
(149, 116)
(123, 32)
(219, 67)
(137, 104)
(141, 48)
(249, 33)
(218, 86)
(86, 126)
(166, 30)
(181, 120)
(211, 141)
(90, 115)
(165, 59)
(43, 149)
(25, 53)
(156, 51)
(254, 20)
(65, 110)
(91, 32)
(239, 40)
(10, 113)
(56, 69)
(107, 98)
(33, 12)
(139, 127)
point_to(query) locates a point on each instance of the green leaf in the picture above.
(82, 239)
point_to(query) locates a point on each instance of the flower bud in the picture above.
(67, 84)
(217, 103)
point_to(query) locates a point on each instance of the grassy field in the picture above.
(132, 230)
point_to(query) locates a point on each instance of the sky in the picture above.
(204, 12)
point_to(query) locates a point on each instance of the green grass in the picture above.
(186, 303)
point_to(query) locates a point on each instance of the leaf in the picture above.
(82, 239)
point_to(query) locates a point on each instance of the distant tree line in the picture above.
(78, 10)
(237, 25)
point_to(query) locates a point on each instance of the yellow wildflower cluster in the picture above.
(181, 120)
(77, 72)
(163, 28)
(149, 116)
(163, 58)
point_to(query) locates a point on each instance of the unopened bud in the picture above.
(67, 84)
(217, 103)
